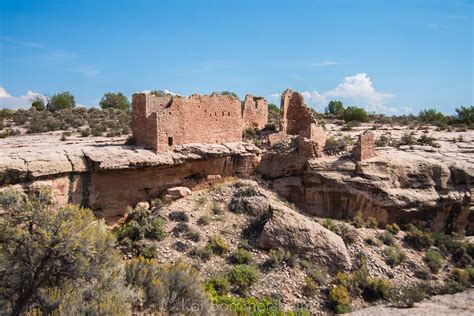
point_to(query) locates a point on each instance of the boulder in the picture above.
(145, 205)
(175, 193)
(299, 234)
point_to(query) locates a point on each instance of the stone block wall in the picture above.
(365, 146)
(255, 112)
(163, 123)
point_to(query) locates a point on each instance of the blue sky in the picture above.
(388, 56)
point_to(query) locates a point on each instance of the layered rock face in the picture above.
(394, 186)
(110, 178)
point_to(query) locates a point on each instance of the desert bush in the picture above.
(434, 260)
(59, 101)
(317, 276)
(335, 108)
(85, 132)
(242, 276)
(241, 256)
(250, 133)
(407, 296)
(334, 145)
(217, 209)
(458, 281)
(377, 288)
(169, 288)
(115, 101)
(56, 259)
(392, 228)
(347, 233)
(179, 216)
(427, 140)
(383, 141)
(431, 116)
(270, 127)
(218, 245)
(219, 283)
(278, 256)
(408, 139)
(465, 114)
(358, 220)
(340, 299)
(387, 238)
(329, 224)
(204, 220)
(310, 288)
(372, 241)
(203, 253)
(394, 256)
(371, 222)
(353, 113)
(417, 238)
(422, 273)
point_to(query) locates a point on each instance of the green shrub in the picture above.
(334, 145)
(166, 286)
(242, 256)
(310, 288)
(139, 225)
(179, 216)
(218, 245)
(394, 256)
(114, 101)
(434, 260)
(387, 238)
(59, 101)
(335, 108)
(220, 283)
(217, 209)
(358, 220)
(407, 296)
(203, 253)
(422, 273)
(377, 289)
(408, 139)
(340, 299)
(59, 259)
(279, 256)
(458, 281)
(431, 116)
(427, 140)
(243, 276)
(347, 233)
(418, 239)
(329, 224)
(392, 228)
(204, 220)
(372, 241)
(317, 276)
(465, 114)
(85, 132)
(353, 113)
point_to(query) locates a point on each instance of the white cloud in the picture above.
(11, 102)
(325, 63)
(355, 90)
(165, 91)
(360, 91)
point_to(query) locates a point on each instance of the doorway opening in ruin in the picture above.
(170, 141)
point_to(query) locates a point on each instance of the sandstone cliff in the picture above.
(108, 178)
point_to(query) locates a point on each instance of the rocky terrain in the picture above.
(277, 221)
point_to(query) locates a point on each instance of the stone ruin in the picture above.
(365, 146)
(297, 119)
(166, 121)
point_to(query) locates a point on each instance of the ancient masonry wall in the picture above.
(163, 123)
(296, 119)
(365, 146)
(255, 112)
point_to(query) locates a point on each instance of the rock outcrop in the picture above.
(297, 233)
(394, 186)
(111, 177)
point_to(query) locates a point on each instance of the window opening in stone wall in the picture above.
(170, 141)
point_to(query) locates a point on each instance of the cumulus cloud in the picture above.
(21, 102)
(354, 90)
